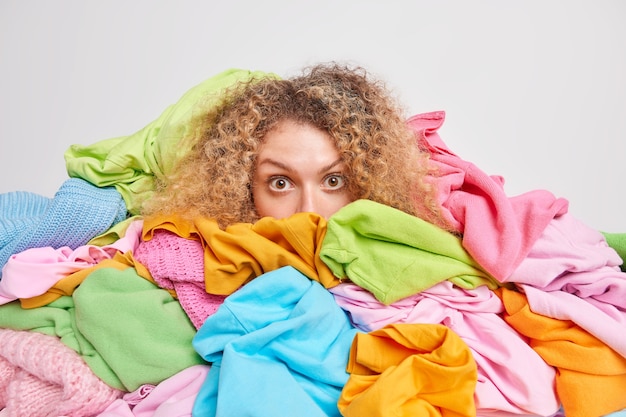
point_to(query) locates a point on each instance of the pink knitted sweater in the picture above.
(42, 377)
(178, 263)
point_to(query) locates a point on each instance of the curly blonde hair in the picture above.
(384, 163)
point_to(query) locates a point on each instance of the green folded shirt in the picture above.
(393, 254)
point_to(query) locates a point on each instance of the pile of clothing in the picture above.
(521, 312)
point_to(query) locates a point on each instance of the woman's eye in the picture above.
(334, 182)
(279, 184)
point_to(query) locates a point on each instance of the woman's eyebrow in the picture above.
(276, 163)
(288, 168)
(330, 166)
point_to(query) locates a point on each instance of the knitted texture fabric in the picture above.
(41, 377)
(17, 209)
(178, 263)
(78, 212)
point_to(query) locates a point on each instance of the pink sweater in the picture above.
(498, 231)
(40, 376)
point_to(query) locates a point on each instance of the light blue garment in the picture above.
(279, 347)
(78, 212)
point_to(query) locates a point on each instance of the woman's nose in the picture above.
(308, 201)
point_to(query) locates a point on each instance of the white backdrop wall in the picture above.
(533, 90)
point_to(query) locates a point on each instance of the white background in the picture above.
(534, 90)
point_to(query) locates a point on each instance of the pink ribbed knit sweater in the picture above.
(42, 377)
(178, 263)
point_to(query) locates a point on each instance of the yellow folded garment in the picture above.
(409, 370)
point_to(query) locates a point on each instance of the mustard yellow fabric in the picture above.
(243, 251)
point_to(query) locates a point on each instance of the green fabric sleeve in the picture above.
(131, 163)
(618, 242)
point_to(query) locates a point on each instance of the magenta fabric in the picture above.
(498, 231)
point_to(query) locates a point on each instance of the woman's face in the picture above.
(298, 170)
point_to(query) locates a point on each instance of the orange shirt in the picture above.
(409, 370)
